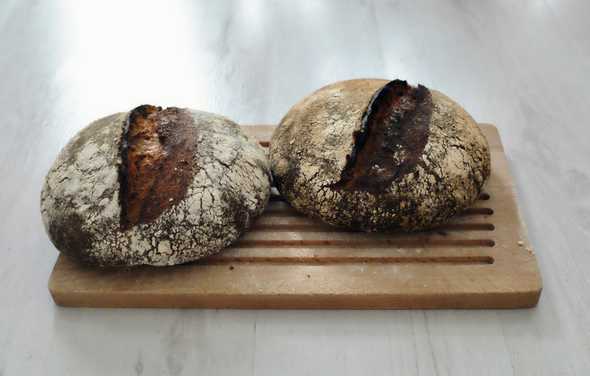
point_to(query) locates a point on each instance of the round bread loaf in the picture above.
(375, 155)
(154, 187)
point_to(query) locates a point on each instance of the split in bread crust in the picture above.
(392, 137)
(157, 150)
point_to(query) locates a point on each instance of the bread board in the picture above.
(481, 259)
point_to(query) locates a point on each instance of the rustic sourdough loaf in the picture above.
(376, 155)
(154, 186)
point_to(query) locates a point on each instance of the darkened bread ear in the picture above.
(395, 122)
(154, 186)
(156, 170)
(377, 155)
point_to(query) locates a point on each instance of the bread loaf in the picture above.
(154, 186)
(375, 155)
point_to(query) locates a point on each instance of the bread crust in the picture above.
(81, 207)
(310, 149)
(157, 151)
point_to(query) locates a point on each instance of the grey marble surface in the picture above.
(523, 65)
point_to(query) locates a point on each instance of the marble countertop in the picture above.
(523, 66)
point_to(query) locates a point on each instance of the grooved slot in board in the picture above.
(277, 198)
(283, 213)
(325, 228)
(280, 208)
(477, 211)
(485, 260)
(377, 243)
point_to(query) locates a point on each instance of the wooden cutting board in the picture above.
(482, 259)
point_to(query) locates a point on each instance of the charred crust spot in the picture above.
(66, 232)
(236, 210)
(392, 137)
(151, 177)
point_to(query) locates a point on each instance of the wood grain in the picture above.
(480, 260)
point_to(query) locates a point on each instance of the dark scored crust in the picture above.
(377, 155)
(157, 150)
(392, 137)
(154, 187)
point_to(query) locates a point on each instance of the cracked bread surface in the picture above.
(414, 165)
(197, 182)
